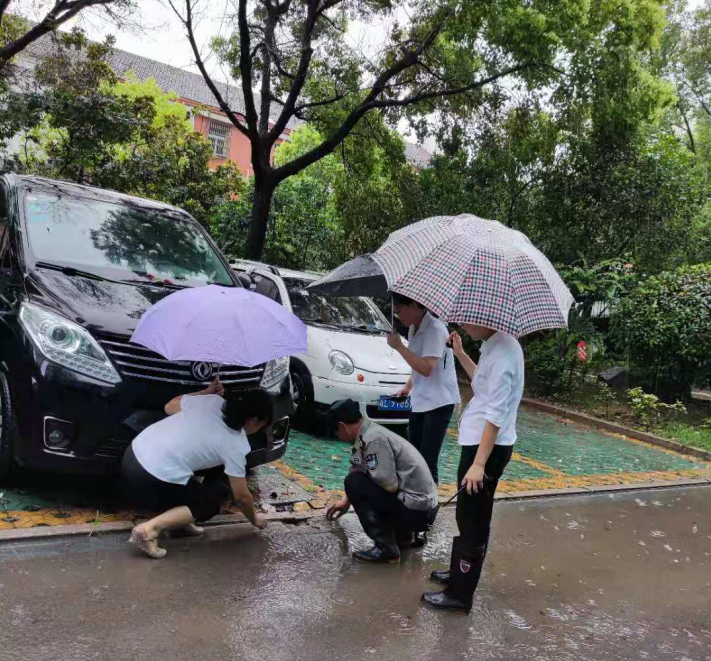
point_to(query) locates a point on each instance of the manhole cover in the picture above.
(275, 489)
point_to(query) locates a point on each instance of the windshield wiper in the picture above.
(70, 270)
(321, 322)
(366, 329)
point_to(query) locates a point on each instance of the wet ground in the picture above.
(550, 454)
(596, 577)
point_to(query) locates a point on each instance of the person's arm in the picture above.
(423, 366)
(405, 390)
(215, 388)
(462, 356)
(474, 477)
(243, 497)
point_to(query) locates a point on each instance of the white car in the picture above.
(348, 354)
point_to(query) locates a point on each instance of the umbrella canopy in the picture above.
(358, 277)
(225, 325)
(469, 270)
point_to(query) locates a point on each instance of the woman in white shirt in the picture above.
(487, 433)
(205, 433)
(433, 387)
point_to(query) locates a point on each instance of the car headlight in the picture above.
(66, 343)
(274, 372)
(341, 362)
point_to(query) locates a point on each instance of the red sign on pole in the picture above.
(582, 352)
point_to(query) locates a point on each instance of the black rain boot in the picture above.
(465, 571)
(442, 575)
(385, 548)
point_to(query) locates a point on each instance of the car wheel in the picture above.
(302, 393)
(6, 426)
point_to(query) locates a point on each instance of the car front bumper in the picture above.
(103, 419)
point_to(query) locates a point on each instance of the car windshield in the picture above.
(357, 314)
(120, 241)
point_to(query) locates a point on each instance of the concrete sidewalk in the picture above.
(597, 577)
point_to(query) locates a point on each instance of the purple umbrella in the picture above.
(225, 325)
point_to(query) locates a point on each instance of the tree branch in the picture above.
(245, 66)
(188, 23)
(689, 133)
(297, 84)
(61, 12)
(371, 102)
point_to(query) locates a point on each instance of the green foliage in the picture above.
(74, 116)
(83, 123)
(342, 205)
(648, 411)
(603, 283)
(665, 324)
(605, 396)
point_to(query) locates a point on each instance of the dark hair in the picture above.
(249, 404)
(400, 299)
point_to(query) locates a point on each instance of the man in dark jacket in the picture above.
(389, 485)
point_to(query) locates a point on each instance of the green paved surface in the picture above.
(546, 447)
(550, 454)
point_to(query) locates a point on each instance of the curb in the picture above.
(591, 421)
(115, 527)
(90, 529)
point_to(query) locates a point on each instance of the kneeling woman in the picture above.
(203, 432)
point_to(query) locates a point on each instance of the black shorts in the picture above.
(145, 491)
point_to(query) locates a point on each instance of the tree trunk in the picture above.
(263, 193)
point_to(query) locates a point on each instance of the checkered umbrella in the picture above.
(469, 270)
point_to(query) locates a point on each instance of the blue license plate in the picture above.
(388, 404)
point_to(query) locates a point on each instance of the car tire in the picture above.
(7, 426)
(303, 392)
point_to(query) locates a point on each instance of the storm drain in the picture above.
(274, 489)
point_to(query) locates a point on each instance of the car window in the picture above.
(345, 313)
(131, 242)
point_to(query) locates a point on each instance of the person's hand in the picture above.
(474, 479)
(395, 341)
(337, 510)
(260, 521)
(403, 392)
(455, 340)
(215, 388)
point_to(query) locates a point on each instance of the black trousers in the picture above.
(145, 491)
(427, 431)
(474, 512)
(360, 489)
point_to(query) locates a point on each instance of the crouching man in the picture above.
(389, 485)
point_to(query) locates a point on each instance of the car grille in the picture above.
(136, 362)
(376, 414)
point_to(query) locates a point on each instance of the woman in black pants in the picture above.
(487, 433)
(433, 387)
(203, 434)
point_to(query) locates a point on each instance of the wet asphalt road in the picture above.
(610, 576)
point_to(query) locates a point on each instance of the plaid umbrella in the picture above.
(469, 270)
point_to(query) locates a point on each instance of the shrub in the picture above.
(665, 326)
(649, 412)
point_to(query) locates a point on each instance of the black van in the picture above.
(78, 267)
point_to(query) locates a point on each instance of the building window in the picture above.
(219, 135)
